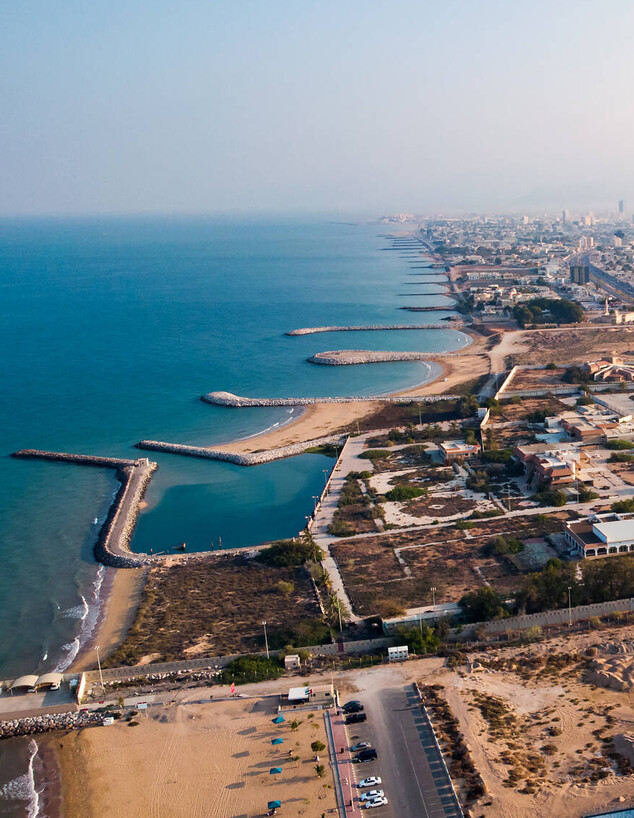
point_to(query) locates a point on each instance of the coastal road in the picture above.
(415, 780)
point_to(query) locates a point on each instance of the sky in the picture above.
(347, 106)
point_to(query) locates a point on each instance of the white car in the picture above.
(378, 802)
(372, 781)
(371, 795)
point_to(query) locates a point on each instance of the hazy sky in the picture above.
(315, 105)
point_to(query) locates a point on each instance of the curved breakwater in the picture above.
(347, 357)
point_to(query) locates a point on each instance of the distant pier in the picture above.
(348, 357)
(374, 327)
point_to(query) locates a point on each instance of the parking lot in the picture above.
(413, 776)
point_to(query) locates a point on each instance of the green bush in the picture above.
(401, 493)
(623, 505)
(621, 457)
(375, 454)
(246, 669)
(285, 553)
(619, 445)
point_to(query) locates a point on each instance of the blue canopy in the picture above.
(277, 741)
(275, 770)
(274, 804)
(279, 720)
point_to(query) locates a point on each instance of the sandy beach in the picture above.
(209, 760)
(321, 419)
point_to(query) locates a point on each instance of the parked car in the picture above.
(352, 707)
(355, 718)
(364, 755)
(362, 745)
(371, 795)
(371, 781)
(378, 802)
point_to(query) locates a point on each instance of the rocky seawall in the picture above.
(251, 459)
(113, 541)
(348, 357)
(229, 399)
(44, 724)
(375, 327)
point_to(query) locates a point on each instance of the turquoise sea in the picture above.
(112, 328)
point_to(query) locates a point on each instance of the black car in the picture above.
(364, 755)
(352, 707)
(355, 718)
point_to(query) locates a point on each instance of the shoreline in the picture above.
(322, 419)
(121, 590)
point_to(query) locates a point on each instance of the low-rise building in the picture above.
(458, 450)
(602, 535)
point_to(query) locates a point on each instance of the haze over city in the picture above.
(360, 106)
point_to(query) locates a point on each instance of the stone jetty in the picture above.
(44, 724)
(347, 357)
(373, 327)
(238, 402)
(445, 308)
(251, 459)
(112, 546)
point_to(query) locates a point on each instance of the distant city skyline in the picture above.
(356, 107)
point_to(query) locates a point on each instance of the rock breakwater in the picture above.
(374, 327)
(229, 399)
(45, 724)
(348, 357)
(251, 459)
(112, 546)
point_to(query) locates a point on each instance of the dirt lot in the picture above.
(574, 345)
(450, 560)
(519, 411)
(536, 379)
(216, 607)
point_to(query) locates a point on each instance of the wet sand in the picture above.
(122, 591)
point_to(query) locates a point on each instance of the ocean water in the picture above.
(111, 329)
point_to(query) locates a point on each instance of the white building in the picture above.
(602, 535)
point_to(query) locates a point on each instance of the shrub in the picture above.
(375, 454)
(619, 445)
(623, 505)
(317, 746)
(287, 553)
(250, 668)
(621, 457)
(404, 493)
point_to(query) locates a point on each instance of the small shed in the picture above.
(398, 654)
(292, 661)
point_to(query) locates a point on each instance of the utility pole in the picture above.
(99, 666)
(266, 641)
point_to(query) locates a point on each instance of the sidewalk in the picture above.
(343, 760)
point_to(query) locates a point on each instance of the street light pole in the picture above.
(569, 607)
(99, 666)
(325, 473)
(433, 595)
(266, 641)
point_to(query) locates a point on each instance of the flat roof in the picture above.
(616, 531)
(298, 693)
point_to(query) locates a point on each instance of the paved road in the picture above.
(414, 778)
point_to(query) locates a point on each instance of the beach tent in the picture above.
(275, 770)
(277, 741)
(279, 720)
(274, 804)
